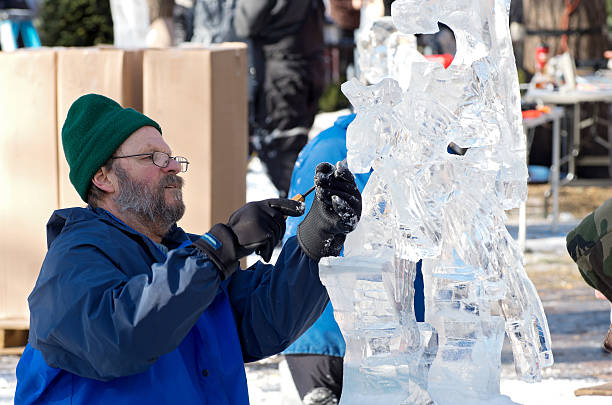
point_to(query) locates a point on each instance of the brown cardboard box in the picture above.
(28, 174)
(199, 98)
(115, 73)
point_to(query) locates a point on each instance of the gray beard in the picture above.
(149, 205)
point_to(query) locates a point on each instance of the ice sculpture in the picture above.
(383, 51)
(422, 202)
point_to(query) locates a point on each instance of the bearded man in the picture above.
(130, 309)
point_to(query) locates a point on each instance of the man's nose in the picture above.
(173, 167)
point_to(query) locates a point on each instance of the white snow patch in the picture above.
(259, 187)
(8, 380)
(258, 184)
(552, 391)
(323, 121)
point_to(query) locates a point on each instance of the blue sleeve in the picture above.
(329, 146)
(91, 319)
(274, 305)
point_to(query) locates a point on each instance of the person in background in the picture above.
(16, 24)
(345, 13)
(315, 360)
(212, 21)
(161, 29)
(287, 51)
(589, 245)
(130, 309)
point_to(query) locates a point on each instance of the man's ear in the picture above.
(103, 181)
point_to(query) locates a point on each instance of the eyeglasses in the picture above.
(161, 159)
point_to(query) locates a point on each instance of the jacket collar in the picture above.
(173, 239)
(60, 218)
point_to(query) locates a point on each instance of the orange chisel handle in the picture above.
(302, 197)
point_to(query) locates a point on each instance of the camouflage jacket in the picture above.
(590, 245)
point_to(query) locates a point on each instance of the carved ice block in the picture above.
(446, 152)
(387, 354)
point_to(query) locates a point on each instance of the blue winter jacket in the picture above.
(114, 320)
(324, 337)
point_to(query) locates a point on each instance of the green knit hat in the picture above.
(95, 127)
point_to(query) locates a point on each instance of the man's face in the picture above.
(150, 193)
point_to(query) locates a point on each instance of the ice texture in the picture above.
(383, 52)
(422, 202)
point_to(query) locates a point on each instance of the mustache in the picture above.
(172, 180)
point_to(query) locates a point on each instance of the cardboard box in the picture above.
(28, 174)
(199, 98)
(115, 73)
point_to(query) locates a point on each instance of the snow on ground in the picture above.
(325, 120)
(259, 185)
(269, 386)
(8, 381)
(553, 391)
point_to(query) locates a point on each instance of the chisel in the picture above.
(302, 197)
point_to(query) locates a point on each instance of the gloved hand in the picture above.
(256, 227)
(335, 212)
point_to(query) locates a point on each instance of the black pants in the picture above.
(310, 371)
(279, 156)
(284, 105)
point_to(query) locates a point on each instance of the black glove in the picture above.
(256, 227)
(335, 212)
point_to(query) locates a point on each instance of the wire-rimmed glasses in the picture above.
(161, 159)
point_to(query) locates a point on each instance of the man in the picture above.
(129, 309)
(287, 55)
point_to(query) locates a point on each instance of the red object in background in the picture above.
(444, 58)
(531, 113)
(541, 56)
